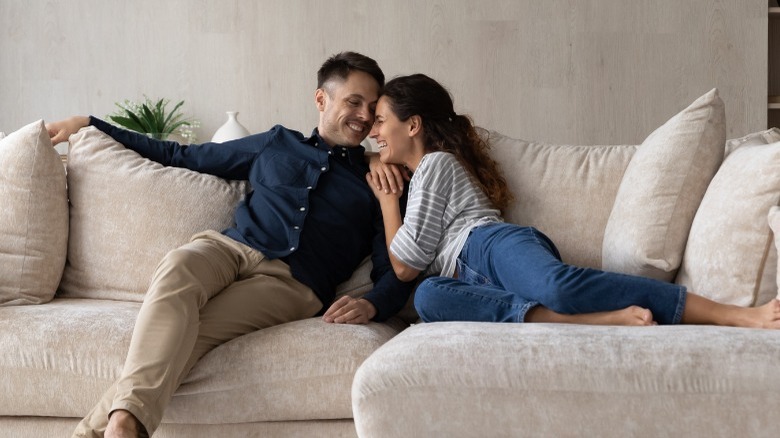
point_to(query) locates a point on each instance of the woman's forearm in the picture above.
(391, 214)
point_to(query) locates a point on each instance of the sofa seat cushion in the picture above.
(59, 358)
(465, 379)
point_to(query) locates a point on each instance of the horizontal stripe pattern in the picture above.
(444, 205)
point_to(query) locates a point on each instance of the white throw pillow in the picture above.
(33, 217)
(661, 191)
(730, 256)
(127, 212)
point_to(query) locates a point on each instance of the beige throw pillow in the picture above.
(127, 212)
(730, 256)
(661, 191)
(33, 217)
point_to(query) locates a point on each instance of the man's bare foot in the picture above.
(122, 424)
(630, 316)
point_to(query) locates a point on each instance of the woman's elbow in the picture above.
(405, 273)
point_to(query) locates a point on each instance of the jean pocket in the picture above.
(468, 275)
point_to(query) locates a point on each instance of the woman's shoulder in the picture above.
(439, 160)
(439, 169)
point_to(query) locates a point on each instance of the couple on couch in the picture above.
(317, 209)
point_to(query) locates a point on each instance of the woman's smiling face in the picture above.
(392, 135)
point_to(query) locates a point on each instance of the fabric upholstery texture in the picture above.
(462, 379)
(33, 217)
(127, 212)
(297, 371)
(565, 191)
(661, 190)
(63, 427)
(730, 242)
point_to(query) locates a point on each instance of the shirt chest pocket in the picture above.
(281, 170)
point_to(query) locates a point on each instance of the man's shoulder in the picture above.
(281, 137)
(282, 131)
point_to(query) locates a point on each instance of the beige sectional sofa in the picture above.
(678, 207)
(664, 208)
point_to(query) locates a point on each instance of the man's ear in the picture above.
(415, 125)
(319, 98)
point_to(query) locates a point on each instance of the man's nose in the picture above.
(365, 113)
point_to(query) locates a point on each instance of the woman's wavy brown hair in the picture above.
(444, 130)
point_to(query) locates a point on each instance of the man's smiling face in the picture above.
(347, 108)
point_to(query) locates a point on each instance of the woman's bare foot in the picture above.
(766, 316)
(700, 310)
(630, 316)
(122, 424)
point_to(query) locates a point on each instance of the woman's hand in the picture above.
(386, 177)
(348, 310)
(381, 194)
(62, 130)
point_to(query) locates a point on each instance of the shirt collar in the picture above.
(354, 154)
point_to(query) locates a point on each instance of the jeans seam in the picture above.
(682, 297)
(528, 306)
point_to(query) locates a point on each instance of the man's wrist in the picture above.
(371, 308)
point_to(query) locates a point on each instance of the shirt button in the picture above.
(303, 208)
(330, 152)
(324, 168)
(296, 227)
(343, 154)
(308, 188)
(292, 249)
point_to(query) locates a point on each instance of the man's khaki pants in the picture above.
(203, 294)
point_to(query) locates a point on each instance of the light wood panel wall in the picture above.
(578, 71)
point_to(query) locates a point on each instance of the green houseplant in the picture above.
(154, 119)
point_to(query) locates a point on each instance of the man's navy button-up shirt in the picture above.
(310, 205)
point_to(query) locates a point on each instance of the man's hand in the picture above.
(386, 177)
(348, 310)
(60, 131)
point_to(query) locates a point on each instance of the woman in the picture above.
(484, 269)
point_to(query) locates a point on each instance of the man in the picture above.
(305, 227)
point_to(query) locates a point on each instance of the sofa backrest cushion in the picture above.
(565, 191)
(127, 212)
(730, 256)
(661, 191)
(33, 217)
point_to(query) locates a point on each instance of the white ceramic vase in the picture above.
(231, 130)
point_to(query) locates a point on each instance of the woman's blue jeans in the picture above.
(504, 270)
